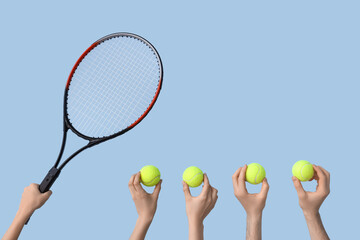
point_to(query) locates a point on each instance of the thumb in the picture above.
(186, 190)
(45, 196)
(157, 189)
(298, 186)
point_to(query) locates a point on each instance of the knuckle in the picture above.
(323, 193)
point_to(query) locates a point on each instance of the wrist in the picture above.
(24, 213)
(195, 223)
(22, 216)
(311, 214)
(145, 219)
(254, 215)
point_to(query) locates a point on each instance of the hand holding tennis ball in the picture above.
(255, 173)
(303, 170)
(310, 202)
(252, 203)
(145, 203)
(197, 208)
(150, 175)
(193, 176)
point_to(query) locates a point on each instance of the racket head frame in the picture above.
(94, 141)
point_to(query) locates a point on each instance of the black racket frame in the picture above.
(54, 172)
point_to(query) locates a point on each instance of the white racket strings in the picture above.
(113, 86)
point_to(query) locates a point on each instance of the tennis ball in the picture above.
(255, 173)
(150, 175)
(303, 170)
(193, 176)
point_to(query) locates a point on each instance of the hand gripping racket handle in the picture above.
(48, 182)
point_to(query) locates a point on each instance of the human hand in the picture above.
(197, 208)
(252, 203)
(310, 202)
(33, 199)
(145, 203)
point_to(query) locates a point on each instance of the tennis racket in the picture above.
(112, 87)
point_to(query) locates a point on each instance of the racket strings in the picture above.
(113, 86)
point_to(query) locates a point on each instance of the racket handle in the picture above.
(48, 182)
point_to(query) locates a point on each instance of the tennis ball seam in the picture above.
(302, 170)
(189, 180)
(257, 173)
(148, 183)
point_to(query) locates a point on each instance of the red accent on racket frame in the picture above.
(78, 62)
(149, 108)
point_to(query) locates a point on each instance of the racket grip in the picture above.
(47, 182)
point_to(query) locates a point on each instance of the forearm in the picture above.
(315, 226)
(253, 226)
(196, 230)
(140, 230)
(16, 226)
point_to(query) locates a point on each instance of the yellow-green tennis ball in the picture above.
(255, 173)
(303, 170)
(150, 175)
(193, 176)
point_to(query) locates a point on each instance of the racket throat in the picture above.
(49, 179)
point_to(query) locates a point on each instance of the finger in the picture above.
(322, 183)
(298, 187)
(34, 185)
(264, 188)
(186, 190)
(157, 189)
(327, 174)
(137, 184)
(214, 193)
(207, 188)
(131, 183)
(206, 180)
(242, 179)
(315, 177)
(235, 177)
(214, 198)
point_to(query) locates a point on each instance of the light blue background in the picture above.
(271, 82)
